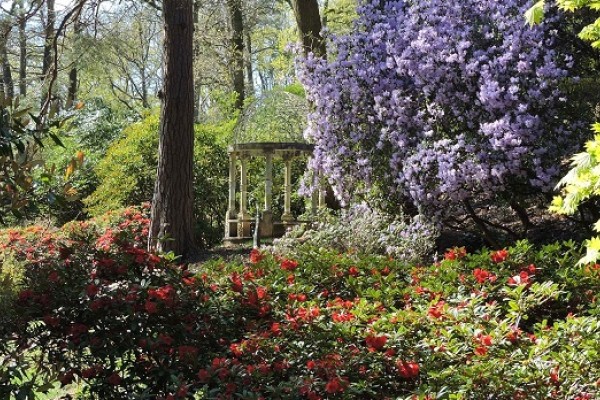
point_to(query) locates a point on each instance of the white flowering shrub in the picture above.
(363, 230)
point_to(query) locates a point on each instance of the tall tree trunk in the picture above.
(73, 73)
(7, 79)
(49, 37)
(172, 205)
(249, 70)
(308, 19)
(22, 50)
(236, 18)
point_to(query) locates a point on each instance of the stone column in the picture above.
(230, 225)
(322, 194)
(287, 195)
(243, 216)
(267, 215)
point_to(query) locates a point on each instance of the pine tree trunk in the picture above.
(73, 73)
(234, 10)
(172, 205)
(22, 51)
(308, 19)
(7, 79)
(249, 70)
(49, 37)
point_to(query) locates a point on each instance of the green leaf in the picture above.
(55, 139)
(535, 14)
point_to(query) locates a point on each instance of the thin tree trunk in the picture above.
(308, 19)
(236, 18)
(7, 79)
(22, 50)
(172, 226)
(49, 37)
(73, 73)
(249, 70)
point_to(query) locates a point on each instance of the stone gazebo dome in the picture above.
(271, 126)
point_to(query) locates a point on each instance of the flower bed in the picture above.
(518, 323)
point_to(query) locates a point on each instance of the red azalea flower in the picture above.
(236, 283)
(485, 340)
(521, 279)
(437, 311)
(407, 370)
(499, 256)
(288, 265)
(151, 307)
(481, 350)
(91, 290)
(554, 376)
(66, 378)
(203, 376)
(25, 295)
(256, 256)
(482, 276)
(114, 379)
(335, 385)
(53, 277)
(376, 342)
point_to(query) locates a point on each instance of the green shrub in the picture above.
(126, 174)
(128, 171)
(580, 186)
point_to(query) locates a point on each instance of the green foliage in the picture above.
(590, 33)
(211, 172)
(581, 184)
(127, 173)
(339, 14)
(11, 274)
(25, 180)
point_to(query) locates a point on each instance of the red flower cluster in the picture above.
(437, 310)
(521, 279)
(499, 256)
(289, 265)
(482, 276)
(407, 370)
(376, 342)
(336, 385)
(483, 341)
(256, 256)
(455, 253)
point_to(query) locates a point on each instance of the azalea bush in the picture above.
(515, 323)
(446, 106)
(93, 306)
(364, 230)
(103, 313)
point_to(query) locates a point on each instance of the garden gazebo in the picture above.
(271, 127)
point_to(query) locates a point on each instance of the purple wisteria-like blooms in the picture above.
(441, 102)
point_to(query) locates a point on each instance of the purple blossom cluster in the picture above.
(440, 102)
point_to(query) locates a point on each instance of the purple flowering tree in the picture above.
(444, 104)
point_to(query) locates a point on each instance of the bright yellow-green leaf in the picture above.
(535, 14)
